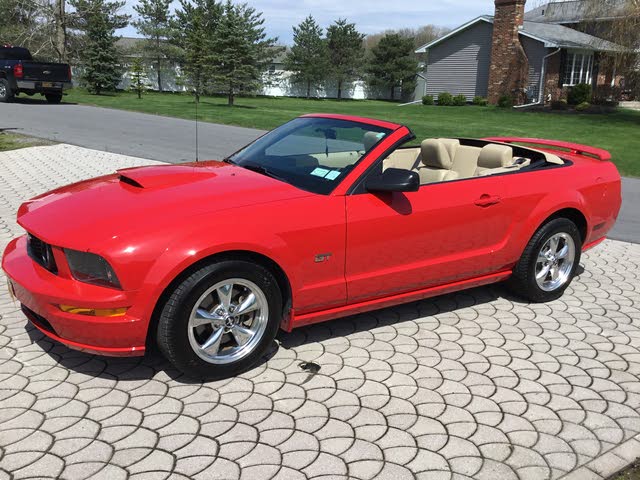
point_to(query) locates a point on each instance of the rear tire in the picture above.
(202, 329)
(549, 262)
(53, 98)
(6, 94)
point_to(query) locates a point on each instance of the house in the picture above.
(533, 57)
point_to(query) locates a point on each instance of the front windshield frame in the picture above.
(304, 170)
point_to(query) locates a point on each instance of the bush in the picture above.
(559, 105)
(583, 107)
(607, 96)
(505, 101)
(459, 100)
(480, 101)
(579, 94)
(445, 99)
(427, 100)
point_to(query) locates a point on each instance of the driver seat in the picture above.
(437, 163)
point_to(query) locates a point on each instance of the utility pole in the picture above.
(61, 30)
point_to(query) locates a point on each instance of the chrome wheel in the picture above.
(3, 90)
(555, 262)
(228, 321)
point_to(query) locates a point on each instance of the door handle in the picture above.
(488, 200)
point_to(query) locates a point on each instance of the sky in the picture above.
(370, 16)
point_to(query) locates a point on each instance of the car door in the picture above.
(445, 232)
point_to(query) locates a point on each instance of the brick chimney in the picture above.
(509, 69)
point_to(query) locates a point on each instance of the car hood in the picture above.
(88, 213)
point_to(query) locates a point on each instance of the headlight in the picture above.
(91, 268)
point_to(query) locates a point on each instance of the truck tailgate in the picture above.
(45, 72)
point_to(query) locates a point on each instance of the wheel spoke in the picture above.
(203, 317)
(554, 244)
(544, 272)
(224, 294)
(249, 304)
(212, 345)
(564, 251)
(241, 334)
(555, 272)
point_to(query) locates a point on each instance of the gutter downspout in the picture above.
(542, 78)
(425, 91)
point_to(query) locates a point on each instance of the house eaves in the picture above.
(462, 28)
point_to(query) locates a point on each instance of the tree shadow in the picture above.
(36, 100)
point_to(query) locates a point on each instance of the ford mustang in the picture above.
(323, 217)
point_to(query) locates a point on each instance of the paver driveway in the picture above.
(473, 385)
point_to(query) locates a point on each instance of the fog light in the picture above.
(94, 312)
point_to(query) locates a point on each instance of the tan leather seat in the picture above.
(405, 159)
(370, 139)
(465, 158)
(494, 157)
(436, 163)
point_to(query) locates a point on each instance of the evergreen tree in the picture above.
(241, 50)
(346, 52)
(392, 64)
(138, 76)
(193, 31)
(308, 58)
(98, 20)
(154, 24)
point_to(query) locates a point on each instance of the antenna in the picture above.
(197, 98)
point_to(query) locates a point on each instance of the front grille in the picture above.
(41, 253)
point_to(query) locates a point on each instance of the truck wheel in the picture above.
(549, 262)
(6, 95)
(220, 321)
(54, 98)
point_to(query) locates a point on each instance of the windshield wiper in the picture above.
(263, 171)
(229, 161)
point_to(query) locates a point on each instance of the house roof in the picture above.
(574, 12)
(552, 35)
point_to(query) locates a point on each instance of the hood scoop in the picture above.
(163, 175)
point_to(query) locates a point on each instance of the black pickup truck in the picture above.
(20, 74)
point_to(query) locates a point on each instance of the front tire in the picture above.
(549, 262)
(53, 98)
(6, 94)
(221, 319)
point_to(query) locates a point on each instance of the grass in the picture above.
(630, 473)
(11, 141)
(617, 132)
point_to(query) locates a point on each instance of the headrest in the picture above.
(435, 155)
(495, 156)
(370, 139)
(452, 145)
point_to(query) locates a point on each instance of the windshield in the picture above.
(311, 153)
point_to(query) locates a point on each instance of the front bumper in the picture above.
(40, 292)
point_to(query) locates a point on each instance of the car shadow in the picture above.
(153, 363)
(37, 100)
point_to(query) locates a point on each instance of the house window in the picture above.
(578, 68)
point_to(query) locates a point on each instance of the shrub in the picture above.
(583, 107)
(445, 99)
(505, 101)
(480, 101)
(579, 94)
(459, 100)
(559, 105)
(607, 96)
(427, 100)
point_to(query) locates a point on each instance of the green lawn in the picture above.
(617, 132)
(8, 142)
(11, 141)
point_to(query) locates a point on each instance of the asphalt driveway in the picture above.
(173, 140)
(474, 385)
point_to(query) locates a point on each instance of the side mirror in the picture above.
(394, 180)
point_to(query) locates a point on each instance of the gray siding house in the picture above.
(545, 57)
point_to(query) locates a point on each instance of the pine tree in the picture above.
(193, 31)
(392, 63)
(241, 50)
(98, 20)
(346, 52)
(154, 23)
(138, 76)
(308, 58)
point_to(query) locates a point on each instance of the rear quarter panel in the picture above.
(588, 185)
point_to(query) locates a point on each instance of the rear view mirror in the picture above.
(394, 180)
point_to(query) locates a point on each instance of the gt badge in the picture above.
(323, 257)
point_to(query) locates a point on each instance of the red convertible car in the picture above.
(323, 217)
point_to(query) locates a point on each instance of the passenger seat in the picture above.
(436, 163)
(494, 157)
